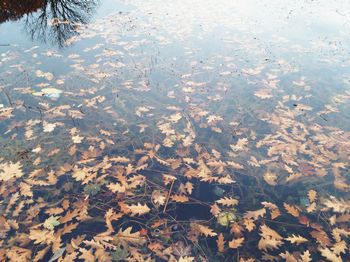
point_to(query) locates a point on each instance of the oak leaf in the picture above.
(179, 198)
(227, 201)
(249, 224)
(291, 210)
(139, 209)
(306, 256)
(236, 243)
(221, 243)
(124, 237)
(295, 239)
(312, 195)
(10, 170)
(205, 230)
(327, 253)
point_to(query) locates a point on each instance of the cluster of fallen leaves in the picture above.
(100, 174)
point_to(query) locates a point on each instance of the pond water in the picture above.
(189, 130)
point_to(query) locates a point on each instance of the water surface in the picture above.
(175, 130)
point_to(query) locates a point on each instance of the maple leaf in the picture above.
(227, 201)
(236, 243)
(10, 170)
(291, 209)
(296, 239)
(221, 243)
(139, 209)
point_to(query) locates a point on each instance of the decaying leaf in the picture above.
(236, 243)
(221, 243)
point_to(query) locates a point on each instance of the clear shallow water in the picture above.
(194, 123)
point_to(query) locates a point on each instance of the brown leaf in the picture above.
(249, 224)
(291, 209)
(179, 198)
(215, 210)
(227, 201)
(236, 243)
(204, 230)
(306, 256)
(327, 253)
(321, 237)
(139, 209)
(221, 243)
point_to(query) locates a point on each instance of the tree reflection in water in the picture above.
(49, 20)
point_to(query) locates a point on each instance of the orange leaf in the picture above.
(221, 243)
(291, 209)
(236, 243)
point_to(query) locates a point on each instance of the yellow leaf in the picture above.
(312, 195)
(296, 239)
(10, 170)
